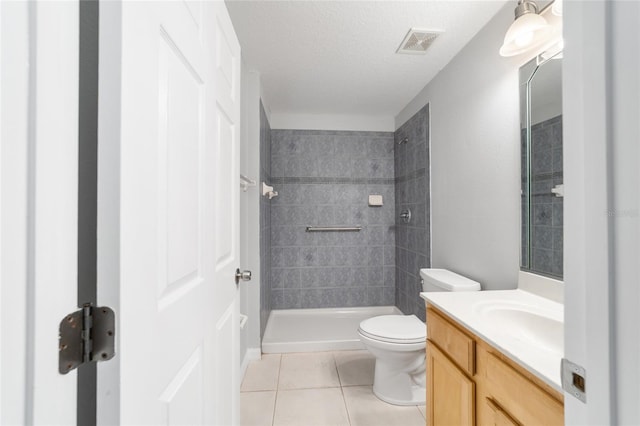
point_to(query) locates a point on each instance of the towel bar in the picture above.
(334, 228)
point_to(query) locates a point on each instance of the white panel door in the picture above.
(168, 189)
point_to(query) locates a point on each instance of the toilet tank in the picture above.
(445, 280)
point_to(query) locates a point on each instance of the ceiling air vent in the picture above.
(417, 41)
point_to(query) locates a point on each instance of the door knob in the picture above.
(242, 275)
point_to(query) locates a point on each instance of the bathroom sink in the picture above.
(527, 328)
(542, 328)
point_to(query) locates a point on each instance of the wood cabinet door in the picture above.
(450, 393)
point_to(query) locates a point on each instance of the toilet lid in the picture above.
(395, 329)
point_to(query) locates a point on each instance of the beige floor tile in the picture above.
(308, 370)
(256, 408)
(367, 410)
(310, 407)
(355, 367)
(423, 410)
(262, 375)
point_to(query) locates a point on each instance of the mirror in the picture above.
(541, 165)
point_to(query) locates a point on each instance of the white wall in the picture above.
(283, 120)
(475, 159)
(250, 216)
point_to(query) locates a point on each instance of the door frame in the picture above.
(108, 220)
(600, 89)
(40, 289)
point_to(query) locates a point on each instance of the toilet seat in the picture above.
(397, 329)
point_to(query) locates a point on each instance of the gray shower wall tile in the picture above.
(412, 191)
(292, 299)
(289, 194)
(346, 194)
(542, 237)
(283, 236)
(546, 208)
(381, 148)
(351, 277)
(542, 261)
(375, 235)
(376, 297)
(390, 277)
(375, 277)
(375, 256)
(389, 235)
(276, 297)
(382, 215)
(324, 178)
(557, 214)
(315, 278)
(352, 297)
(308, 256)
(315, 298)
(389, 256)
(285, 278)
(542, 214)
(557, 238)
(279, 165)
(557, 267)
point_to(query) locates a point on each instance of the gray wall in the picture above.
(475, 159)
(265, 222)
(413, 246)
(324, 178)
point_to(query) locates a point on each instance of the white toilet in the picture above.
(398, 343)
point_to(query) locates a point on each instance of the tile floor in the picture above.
(318, 388)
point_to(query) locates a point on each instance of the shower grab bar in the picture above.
(334, 228)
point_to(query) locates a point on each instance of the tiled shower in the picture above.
(324, 178)
(413, 237)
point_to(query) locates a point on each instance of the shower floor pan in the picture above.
(315, 330)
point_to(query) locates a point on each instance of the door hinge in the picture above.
(87, 335)
(574, 379)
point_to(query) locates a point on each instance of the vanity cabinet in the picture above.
(450, 390)
(469, 382)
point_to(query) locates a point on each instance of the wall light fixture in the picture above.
(528, 31)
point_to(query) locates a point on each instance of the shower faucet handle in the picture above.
(405, 215)
(242, 275)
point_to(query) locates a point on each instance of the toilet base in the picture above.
(398, 387)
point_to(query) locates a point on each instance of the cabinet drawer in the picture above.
(456, 344)
(499, 417)
(522, 399)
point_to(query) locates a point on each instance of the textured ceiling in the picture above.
(338, 57)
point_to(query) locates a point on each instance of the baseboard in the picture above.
(252, 354)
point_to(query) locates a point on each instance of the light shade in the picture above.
(556, 7)
(527, 32)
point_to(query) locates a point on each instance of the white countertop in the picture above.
(532, 337)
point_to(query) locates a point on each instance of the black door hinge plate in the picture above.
(87, 335)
